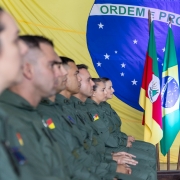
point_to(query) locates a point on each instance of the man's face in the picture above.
(47, 71)
(86, 83)
(73, 79)
(62, 80)
(11, 51)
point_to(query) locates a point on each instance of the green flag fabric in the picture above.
(170, 95)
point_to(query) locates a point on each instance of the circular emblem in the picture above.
(170, 92)
(154, 89)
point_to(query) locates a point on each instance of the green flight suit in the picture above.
(6, 168)
(115, 129)
(87, 130)
(113, 143)
(140, 171)
(79, 145)
(11, 168)
(51, 110)
(43, 156)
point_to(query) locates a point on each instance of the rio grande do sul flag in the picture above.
(170, 95)
(150, 99)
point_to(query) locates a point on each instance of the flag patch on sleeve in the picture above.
(50, 123)
(18, 135)
(95, 117)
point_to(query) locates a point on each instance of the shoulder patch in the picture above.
(21, 142)
(95, 117)
(18, 156)
(71, 120)
(50, 123)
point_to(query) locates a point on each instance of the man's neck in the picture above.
(28, 93)
(52, 98)
(66, 94)
(80, 97)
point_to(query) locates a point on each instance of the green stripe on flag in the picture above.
(152, 50)
(171, 128)
(170, 95)
(170, 58)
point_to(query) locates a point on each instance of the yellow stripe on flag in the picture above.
(142, 98)
(152, 130)
(173, 71)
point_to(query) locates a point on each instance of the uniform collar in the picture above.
(47, 102)
(77, 101)
(60, 99)
(90, 101)
(16, 100)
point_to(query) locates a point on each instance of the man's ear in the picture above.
(28, 70)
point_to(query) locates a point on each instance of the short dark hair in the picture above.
(34, 41)
(42, 39)
(82, 66)
(66, 60)
(105, 79)
(96, 81)
(1, 25)
(30, 41)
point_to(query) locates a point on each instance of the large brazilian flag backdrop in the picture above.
(110, 36)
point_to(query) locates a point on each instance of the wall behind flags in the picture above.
(64, 21)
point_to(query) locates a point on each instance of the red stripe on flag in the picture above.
(147, 74)
(143, 120)
(157, 114)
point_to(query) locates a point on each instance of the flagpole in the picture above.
(149, 19)
(157, 145)
(168, 154)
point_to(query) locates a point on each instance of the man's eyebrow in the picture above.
(77, 71)
(56, 62)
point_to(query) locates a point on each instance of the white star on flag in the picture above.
(135, 41)
(100, 25)
(134, 82)
(106, 56)
(162, 64)
(99, 64)
(157, 58)
(122, 74)
(163, 49)
(115, 52)
(123, 65)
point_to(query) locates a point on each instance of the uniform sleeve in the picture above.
(73, 156)
(6, 170)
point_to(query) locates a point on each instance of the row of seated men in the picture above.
(55, 123)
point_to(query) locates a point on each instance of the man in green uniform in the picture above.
(66, 123)
(10, 73)
(81, 106)
(79, 142)
(31, 143)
